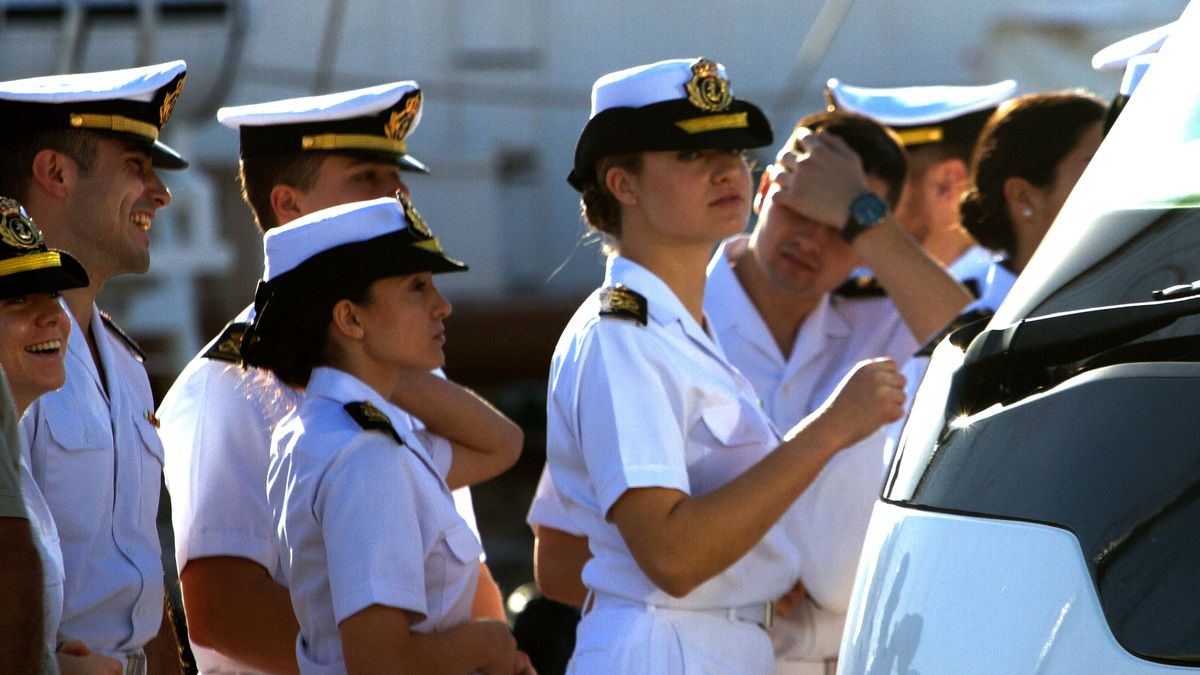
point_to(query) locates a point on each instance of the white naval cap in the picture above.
(133, 103)
(677, 104)
(1120, 53)
(373, 122)
(385, 233)
(924, 114)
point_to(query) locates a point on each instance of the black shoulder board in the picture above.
(228, 345)
(372, 419)
(972, 286)
(116, 330)
(958, 322)
(860, 287)
(624, 303)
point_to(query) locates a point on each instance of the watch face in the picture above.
(868, 209)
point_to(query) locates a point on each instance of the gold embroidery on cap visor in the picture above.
(919, 135)
(400, 122)
(17, 231)
(29, 262)
(415, 221)
(699, 125)
(118, 123)
(707, 90)
(352, 142)
(168, 104)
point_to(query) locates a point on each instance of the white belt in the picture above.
(827, 667)
(135, 663)
(761, 614)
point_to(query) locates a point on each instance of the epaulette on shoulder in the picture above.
(860, 286)
(960, 321)
(228, 345)
(624, 303)
(372, 419)
(116, 330)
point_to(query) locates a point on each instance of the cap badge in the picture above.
(415, 221)
(168, 104)
(707, 90)
(400, 122)
(16, 230)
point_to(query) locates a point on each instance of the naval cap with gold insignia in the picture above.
(132, 103)
(319, 254)
(679, 104)
(373, 122)
(26, 264)
(926, 114)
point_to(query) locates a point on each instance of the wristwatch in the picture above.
(866, 211)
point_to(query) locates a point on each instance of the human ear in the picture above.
(622, 185)
(1022, 198)
(950, 179)
(286, 202)
(345, 320)
(53, 173)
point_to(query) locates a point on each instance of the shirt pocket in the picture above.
(729, 439)
(150, 465)
(72, 460)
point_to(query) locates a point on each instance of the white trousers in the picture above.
(627, 637)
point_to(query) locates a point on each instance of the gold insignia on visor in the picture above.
(17, 230)
(708, 91)
(415, 221)
(400, 122)
(168, 104)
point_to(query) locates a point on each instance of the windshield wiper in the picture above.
(1005, 363)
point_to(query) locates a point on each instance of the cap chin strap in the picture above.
(919, 135)
(32, 261)
(697, 125)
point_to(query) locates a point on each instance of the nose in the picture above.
(730, 167)
(49, 311)
(156, 190)
(441, 306)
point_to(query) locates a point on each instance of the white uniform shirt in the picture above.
(95, 454)
(364, 520)
(654, 405)
(217, 421)
(991, 279)
(828, 521)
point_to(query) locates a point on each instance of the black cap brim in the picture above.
(670, 125)
(66, 275)
(163, 156)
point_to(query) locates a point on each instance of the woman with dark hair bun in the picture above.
(1027, 160)
(381, 569)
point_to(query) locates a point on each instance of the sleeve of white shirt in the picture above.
(369, 520)
(217, 438)
(629, 425)
(547, 509)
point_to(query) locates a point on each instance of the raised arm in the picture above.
(680, 541)
(821, 185)
(485, 442)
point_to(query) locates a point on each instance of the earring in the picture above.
(1027, 211)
